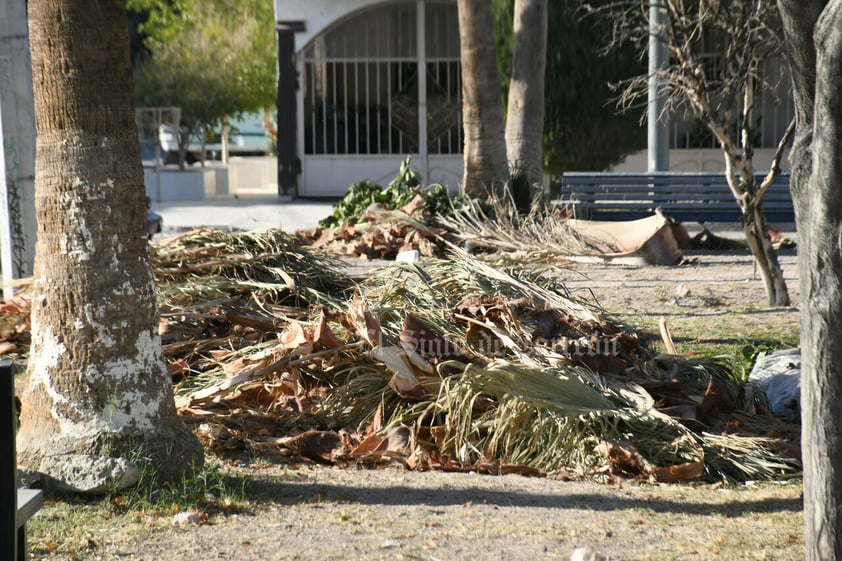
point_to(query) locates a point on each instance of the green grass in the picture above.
(743, 335)
(67, 524)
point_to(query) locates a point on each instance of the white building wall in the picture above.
(18, 227)
(691, 160)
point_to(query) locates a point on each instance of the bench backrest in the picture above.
(684, 196)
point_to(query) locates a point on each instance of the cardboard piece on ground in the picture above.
(647, 241)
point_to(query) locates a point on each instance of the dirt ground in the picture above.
(713, 298)
(327, 513)
(324, 513)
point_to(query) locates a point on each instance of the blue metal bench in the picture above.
(17, 506)
(684, 196)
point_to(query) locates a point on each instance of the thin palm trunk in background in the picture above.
(486, 167)
(525, 115)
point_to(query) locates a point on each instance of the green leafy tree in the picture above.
(583, 129)
(215, 59)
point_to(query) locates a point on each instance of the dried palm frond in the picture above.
(489, 312)
(548, 419)
(269, 266)
(543, 232)
(696, 373)
(734, 458)
(500, 389)
(361, 391)
(443, 284)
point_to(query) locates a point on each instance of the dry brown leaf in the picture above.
(624, 457)
(418, 362)
(439, 434)
(373, 212)
(255, 425)
(321, 446)
(679, 473)
(325, 238)
(397, 441)
(195, 413)
(417, 337)
(376, 424)
(715, 402)
(294, 336)
(323, 335)
(404, 381)
(364, 323)
(417, 203)
(251, 361)
(229, 385)
(267, 396)
(177, 367)
(16, 306)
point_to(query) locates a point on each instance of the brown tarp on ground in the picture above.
(647, 241)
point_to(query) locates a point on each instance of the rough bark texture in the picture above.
(760, 243)
(525, 114)
(486, 167)
(97, 385)
(814, 37)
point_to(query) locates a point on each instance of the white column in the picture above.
(421, 41)
(18, 227)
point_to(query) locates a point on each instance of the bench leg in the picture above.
(22, 549)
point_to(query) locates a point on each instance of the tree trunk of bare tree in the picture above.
(813, 31)
(525, 114)
(98, 404)
(760, 243)
(486, 167)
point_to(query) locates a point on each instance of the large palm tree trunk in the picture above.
(486, 167)
(525, 114)
(98, 398)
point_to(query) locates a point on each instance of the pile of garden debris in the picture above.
(378, 231)
(460, 363)
(474, 357)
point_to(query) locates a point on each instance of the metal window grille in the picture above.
(361, 84)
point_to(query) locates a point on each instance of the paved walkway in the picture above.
(250, 210)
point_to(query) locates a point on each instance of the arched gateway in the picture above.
(363, 84)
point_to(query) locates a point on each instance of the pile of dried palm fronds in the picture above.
(442, 364)
(426, 225)
(380, 234)
(496, 225)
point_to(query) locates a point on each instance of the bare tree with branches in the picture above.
(717, 50)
